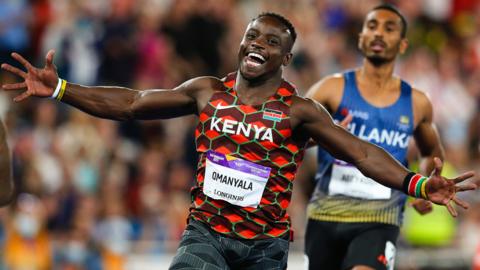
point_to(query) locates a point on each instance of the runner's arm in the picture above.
(116, 103)
(425, 133)
(370, 159)
(122, 103)
(6, 182)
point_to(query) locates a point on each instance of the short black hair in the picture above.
(392, 8)
(283, 20)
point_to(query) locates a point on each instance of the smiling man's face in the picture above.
(265, 47)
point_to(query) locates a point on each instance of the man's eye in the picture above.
(250, 36)
(273, 42)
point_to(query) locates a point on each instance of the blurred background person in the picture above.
(27, 244)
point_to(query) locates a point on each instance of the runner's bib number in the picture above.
(237, 181)
(348, 180)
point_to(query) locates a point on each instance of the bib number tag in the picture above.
(237, 181)
(348, 180)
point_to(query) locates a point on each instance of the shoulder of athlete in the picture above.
(328, 91)
(200, 86)
(422, 106)
(200, 90)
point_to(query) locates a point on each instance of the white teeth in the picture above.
(252, 63)
(257, 56)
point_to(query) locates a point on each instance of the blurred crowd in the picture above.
(92, 191)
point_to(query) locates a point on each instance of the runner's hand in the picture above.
(422, 206)
(38, 82)
(441, 190)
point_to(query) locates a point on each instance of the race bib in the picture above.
(348, 180)
(237, 181)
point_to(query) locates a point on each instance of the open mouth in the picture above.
(255, 59)
(378, 45)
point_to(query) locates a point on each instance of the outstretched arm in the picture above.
(116, 103)
(122, 103)
(372, 160)
(6, 182)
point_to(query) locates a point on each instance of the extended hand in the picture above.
(441, 190)
(422, 206)
(39, 82)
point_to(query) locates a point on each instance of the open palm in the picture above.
(441, 190)
(38, 82)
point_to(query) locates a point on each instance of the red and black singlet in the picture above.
(259, 134)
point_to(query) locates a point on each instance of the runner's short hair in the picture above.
(283, 20)
(395, 10)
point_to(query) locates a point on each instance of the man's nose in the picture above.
(258, 44)
(378, 32)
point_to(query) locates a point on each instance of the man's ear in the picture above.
(403, 46)
(359, 41)
(287, 59)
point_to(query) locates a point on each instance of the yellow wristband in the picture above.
(423, 189)
(62, 90)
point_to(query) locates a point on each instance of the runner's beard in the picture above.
(378, 60)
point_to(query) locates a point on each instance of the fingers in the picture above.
(460, 203)
(23, 61)
(469, 186)
(22, 96)
(14, 70)
(463, 176)
(427, 209)
(451, 210)
(424, 210)
(418, 201)
(445, 201)
(49, 58)
(14, 86)
(437, 171)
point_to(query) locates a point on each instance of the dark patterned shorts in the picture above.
(203, 248)
(337, 245)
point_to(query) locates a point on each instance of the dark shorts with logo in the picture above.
(336, 245)
(203, 248)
